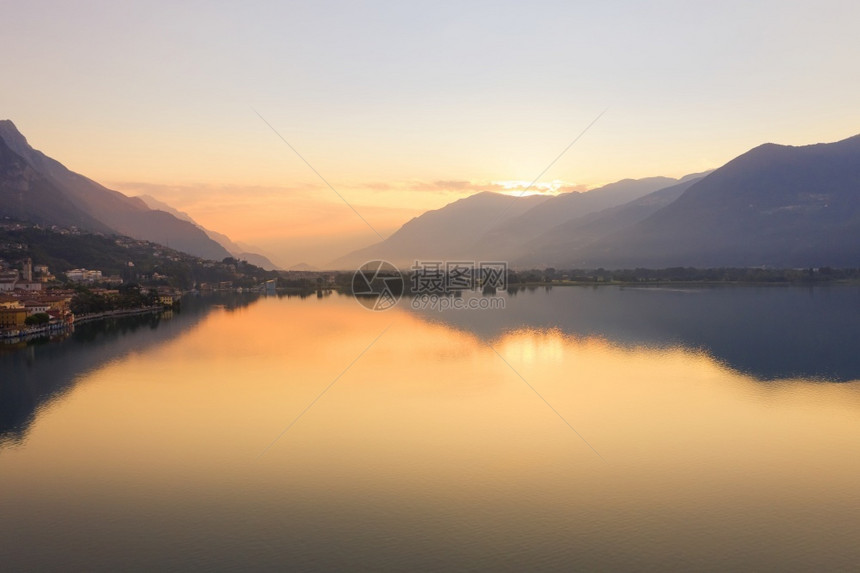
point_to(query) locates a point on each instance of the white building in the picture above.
(83, 275)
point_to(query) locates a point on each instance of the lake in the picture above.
(578, 428)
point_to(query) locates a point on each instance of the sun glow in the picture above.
(526, 188)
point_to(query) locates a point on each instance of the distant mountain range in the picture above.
(775, 205)
(36, 188)
(494, 226)
(450, 232)
(237, 250)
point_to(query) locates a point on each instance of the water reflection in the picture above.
(34, 374)
(767, 332)
(429, 452)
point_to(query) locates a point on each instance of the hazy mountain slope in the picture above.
(111, 209)
(448, 233)
(154, 203)
(235, 249)
(257, 260)
(219, 238)
(509, 239)
(490, 226)
(302, 267)
(26, 195)
(571, 239)
(774, 205)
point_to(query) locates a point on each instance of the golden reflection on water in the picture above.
(430, 416)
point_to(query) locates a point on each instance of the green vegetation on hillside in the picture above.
(129, 297)
(133, 260)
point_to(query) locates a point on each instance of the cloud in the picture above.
(463, 187)
(208, 190)
(440, 186)
(375, 186)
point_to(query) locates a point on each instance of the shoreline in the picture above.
(12, 336)
(685, 283)
(84, 318)
(639, 284)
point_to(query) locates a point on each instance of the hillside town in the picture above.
(34, 303)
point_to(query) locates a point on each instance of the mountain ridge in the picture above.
(494, 226)
(235, 249)
(93, 206)
(773, 206)
(447, 232)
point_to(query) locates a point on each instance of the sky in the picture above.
(406, 106)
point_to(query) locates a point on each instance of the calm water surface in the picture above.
(579, 429)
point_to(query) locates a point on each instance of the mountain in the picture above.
(302, 267)
(37, 188)
(26, 195)
(257, 260)
(492, 226)
(509, 238)
(448, 233)
(775, 205)
(235, 249)
(563, 242)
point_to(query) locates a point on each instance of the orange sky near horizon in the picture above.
(303, 220)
